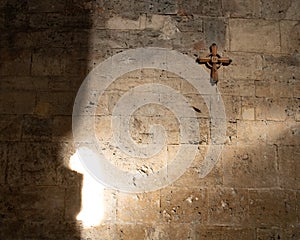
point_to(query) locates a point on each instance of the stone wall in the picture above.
(46, 50)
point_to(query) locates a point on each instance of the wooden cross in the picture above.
(214, 61)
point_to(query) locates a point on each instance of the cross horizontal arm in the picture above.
(224, 60)
(203, 60)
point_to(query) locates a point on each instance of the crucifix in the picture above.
(214, 61)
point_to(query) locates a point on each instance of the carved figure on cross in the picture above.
(214, 61)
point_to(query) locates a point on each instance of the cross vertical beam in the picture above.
(214, 61)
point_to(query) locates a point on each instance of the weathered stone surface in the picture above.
(250, 166)
(240, 71)
(232, 107)
(240, 8)
(189, 23)
(184, 205)
(251, 132)
(16, 102)
(278, 109)
(32, 163)
(289, 36)
(283, 133)
(129, 231)
(274, 88)
(58, 103)
(48, 63)
(12, 60)
(134, 208)
(228, 206)
(167, 231)
(205, 8)
(281, 10)
(272, 207)
(269, 233)
(103, 231)
(236, 87)
(281, 67)
(10, 129)
(36, 6)
(3, 162)
(62, 129)
(249, 105)
(46, 51)
(191, 176)
(289, 165)
(35, 128)
(215, 32)
(254, 35)
(222, 233)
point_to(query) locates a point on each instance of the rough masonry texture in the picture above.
(46, 50)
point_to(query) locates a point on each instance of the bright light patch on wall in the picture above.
(92, 203)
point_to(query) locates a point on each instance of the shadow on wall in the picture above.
(43, 55)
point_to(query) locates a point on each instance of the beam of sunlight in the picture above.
(92, 202)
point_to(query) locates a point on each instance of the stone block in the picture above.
(249, 166)
(248, 108)
(167, 231)
(23, 83)
(228, 206)
(232, 107)
(283, 133)
(240, 8)
(134, 208)
(14, 59)
(48, 63)
(254, 35)
(129, 231)
(197, 103)
(130, 10)
(50, 228)
(59, 103)
(280, 10)
(119, 23)
(237, 70)
(189, 23)
(191, 175)
(274, 88)
(205, 8)
(38, 203)
(269, 233)
(289, 167)
(103, 231)
(62, 129)
(231, 132)
(251, 132)
(65, 176)
(215, 31)
(275, 109)
(295, 88)
(16, 102)
(187, 42)
(32, 163)
(235, 87)
(35, 128)
(272, 208)
(11, 127)
(184, 205)
(223, 233)
(289, 35)
(158, 7)
(36, 6)
(46, 20)
(3, 162)
(281, 67)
